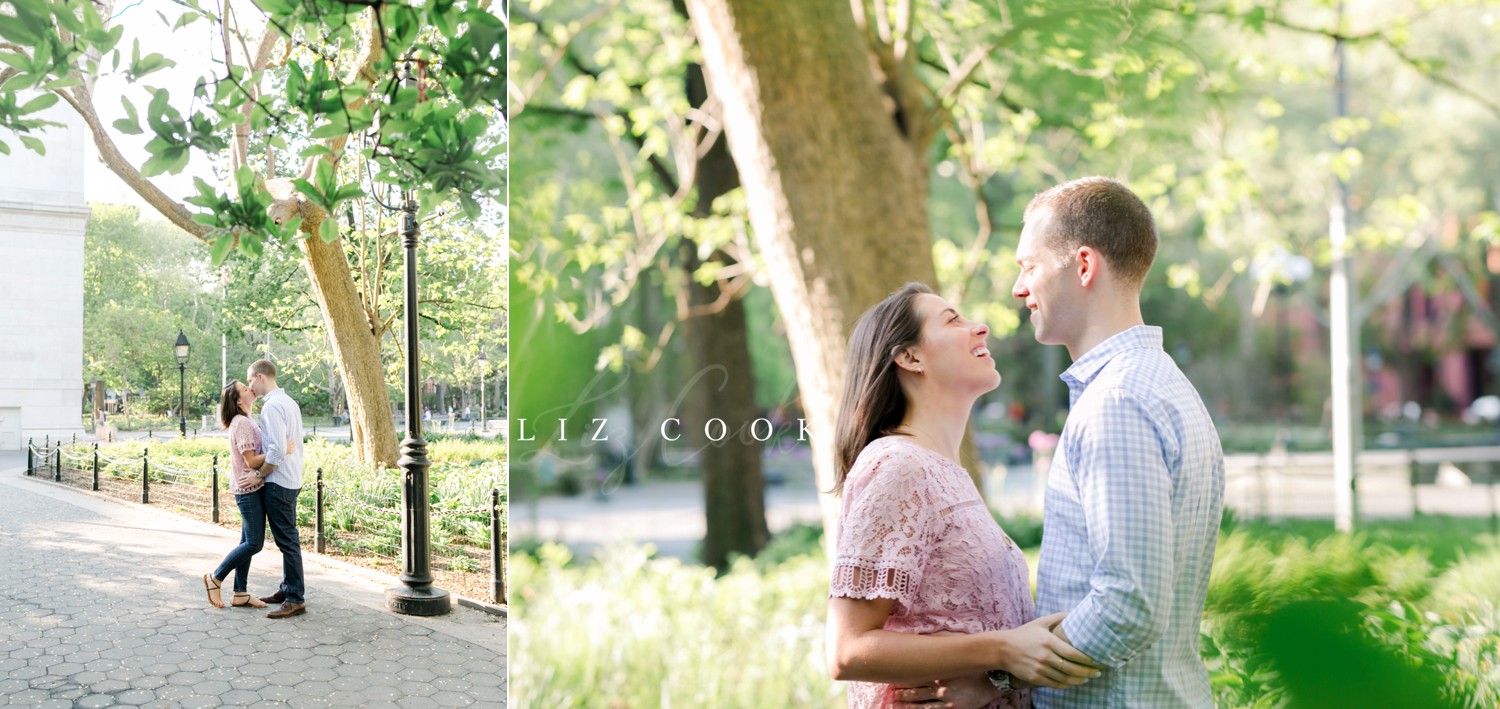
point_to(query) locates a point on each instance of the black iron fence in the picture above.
(353, 521)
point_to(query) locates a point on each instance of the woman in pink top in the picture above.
(926, 586)
(246, 453)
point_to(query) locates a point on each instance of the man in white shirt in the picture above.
(281, 431)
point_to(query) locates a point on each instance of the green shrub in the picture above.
(633, 631)
(629, 630)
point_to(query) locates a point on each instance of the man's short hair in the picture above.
(263, 366)
(1105, 215)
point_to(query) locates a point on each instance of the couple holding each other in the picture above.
(266, 461)
(930, 600)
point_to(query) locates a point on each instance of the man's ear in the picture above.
(1088, 264)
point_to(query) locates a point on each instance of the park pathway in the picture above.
(101, 605)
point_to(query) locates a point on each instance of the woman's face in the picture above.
(247, 397)
(953, 354)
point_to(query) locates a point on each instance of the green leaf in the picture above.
(131, 123)
(311, 191)
(67, 82)
(316, 150)
(221, 248)
(33, 143)
(40, 103)
(141, 66)
(329, 230)
(163, 162)
(17, 60)
(252, 245)
(349, 191)
(329, 130)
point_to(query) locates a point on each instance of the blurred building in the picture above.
(42, 220)
(1442, 353)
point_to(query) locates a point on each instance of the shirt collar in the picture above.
(1083, 371)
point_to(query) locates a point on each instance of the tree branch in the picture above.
(1380, 37)
(373, 48)
(110, 155)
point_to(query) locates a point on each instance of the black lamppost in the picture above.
(181, 350)
(484, 365)
(416, 595)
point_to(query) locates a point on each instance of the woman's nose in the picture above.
(981, 329)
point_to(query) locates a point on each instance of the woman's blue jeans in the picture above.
(252, 537)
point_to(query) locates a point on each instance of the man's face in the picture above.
(1048, 285)
(257, 382)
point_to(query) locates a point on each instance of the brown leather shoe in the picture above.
(288, 610)
(277, 597)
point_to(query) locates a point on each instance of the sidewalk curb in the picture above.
(370, 575)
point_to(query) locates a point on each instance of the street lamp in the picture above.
(484, 365)
(181, 350)
(416, 595)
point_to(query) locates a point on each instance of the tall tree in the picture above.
(337, 70)
(672, 173)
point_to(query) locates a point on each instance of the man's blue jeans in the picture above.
(281, 512)
(252, 536)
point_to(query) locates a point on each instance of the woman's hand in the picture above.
(969, 692)
(1038, 657)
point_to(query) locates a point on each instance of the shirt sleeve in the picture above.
(1125, 487)
(242, 436)
(273, 433)
(886, 533)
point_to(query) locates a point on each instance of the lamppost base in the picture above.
(418, 601)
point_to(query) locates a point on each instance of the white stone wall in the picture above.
(42, 220)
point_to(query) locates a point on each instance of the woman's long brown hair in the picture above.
(873, 403)
(229, 404)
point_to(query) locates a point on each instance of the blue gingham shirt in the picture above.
(281, 433)
(1131, 518)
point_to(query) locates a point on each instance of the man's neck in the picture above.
(271, 391)
(1111, 319)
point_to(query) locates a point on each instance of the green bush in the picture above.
(633, 631)
(629, 630)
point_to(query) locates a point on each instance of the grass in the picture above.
(1410, 605)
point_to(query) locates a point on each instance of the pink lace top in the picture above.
(914, 529)
(244, 434)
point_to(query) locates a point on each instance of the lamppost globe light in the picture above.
(180, 348)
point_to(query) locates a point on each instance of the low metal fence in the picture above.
(352, 521)
(1391, 483)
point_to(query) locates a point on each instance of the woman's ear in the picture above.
(909, 360)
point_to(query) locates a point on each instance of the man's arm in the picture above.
(1125, 489)
(273, 433)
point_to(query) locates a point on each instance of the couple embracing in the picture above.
(930, 602)
(266, 461)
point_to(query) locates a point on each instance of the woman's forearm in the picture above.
(904, 658)
(252, 460)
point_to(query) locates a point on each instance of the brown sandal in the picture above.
(212, 586)
(242, 599)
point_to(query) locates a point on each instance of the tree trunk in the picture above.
(734, 484)
(837, 191)
(357, 351)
